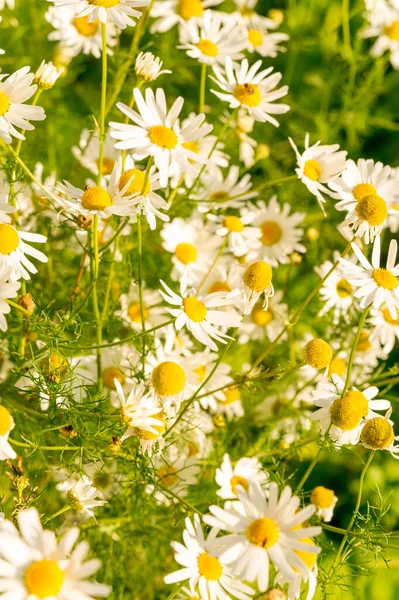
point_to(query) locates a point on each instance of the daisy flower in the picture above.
(386, 329)
(174, 473)
(264, 322)
(256, 281)
(8, 289)
(130, 308)
(203, 567)
(324, 501)
(247, 13)
(378, 434)
(77, 33)
(384, 24)
(318, 166)
(336, 292)
(16, 89)
(202, 315)
(244, 471)
(6, 426)
(262, 530)
(119, 12)
(213, 38)
(241, 237)
(375, 284)
(343, 417)
(157, 134)
(47, 75)
(244, 125)
(280, 234)
(260, 40)
(199, 366)
(37, 564)
(169, 13)
(218, 191)
(230, 405)
(295, 585)
(168, 377)
(14, 251)
(243, 86)
(88, 152)
(82, 495)
(149, 67)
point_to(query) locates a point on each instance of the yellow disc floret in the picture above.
(347, 412)
(111, 373)
(387, 317)
(344, 288)
(258, 276)
(167, 475)
(385, 279)
(209, 567)
(220, 196)
(248, 94)
(233, 224)
(362, 190)
(364, 343)
(322, 497)
(309, 558)
(104, 3)
(186, 9)
(377, 434)
(4, 103)
(260, 316)
(5, 421)
(255, 37)
(392, 31)
(194, 309)
(84, 27)
(263, 532)
(208, 48)
(137, 179)
(372, 209)
(134, 312)
(271, 233)
(96, 198)
(238, 480)
(186, 253)
(219, 286)
(312, 170)
(163, 136)
(232, 394)
(9, 238)
(44, 578)
(337, 367)
(144, 434)
(168, 378)
(317, 353)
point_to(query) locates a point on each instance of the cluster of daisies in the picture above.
(169, 385)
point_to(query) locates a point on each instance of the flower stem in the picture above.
(202, 88)
(103, 101)
(96, 310)
(59, 512)
(353, 350)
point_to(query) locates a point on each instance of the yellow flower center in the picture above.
(238, 480)
(104, 3)
(248, 94)
(247, 11)
(364, 189)
(96, 198)
(392, 31)
(108, 163)
(5, 421)
(111, 373)
(271, 233)
(44, 578)
(208, 48)
(232, 394)
(167, 475)
(255, 37)
(263, 532)
(344, 288)
(219, 196)
(186, 253)
(209, 567)
(317, 353)
(163, 136)
(187, 9)
(364, 342)
(387, 317)
(312, 170)
(309, 558)
(322, 497)
(192, 146)
(372, 209)
(143, 434)
(337, 367)
(219, 286)
(258, 276)
(347, 412)
(134, 312)
(233, 224)
(57, 362)
(136, 186)
(261, 317)
(194, 309)
(200, 372)
(385, 279)
(4, 103)
(377, 434)
(9, 238)
(84, 27)
(168, 378)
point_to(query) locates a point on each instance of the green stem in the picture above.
(346, 28)
(309, 470)
(95, 270)
(58, 513)
(103, 100)
(47, 448)
(20, 308)
(202, 88)
(109, 280)
(353, 350)
(270, 184)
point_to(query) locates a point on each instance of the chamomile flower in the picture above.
(378, 434)
(76, 33)
(263, 531)
(36, 564)
(130, 312)
(260, 40)
(318, 166)
(375, 285)
(230, 405)
(295, 585)
(175, 472)
(324, 501)
(244, 125)
(247, 87)
(6, 426)
(82, 495)
(202, 315)
(203, 567)
(263, 322)
(384, 24)
(280, 234)
(256, 282)
(16, 89)
(168, 378)
(213, 38)
(220, 192)
(156, 132)
(199, 366)
(119, 12)
(149, 67)
(14, 251)
(343, 417)
(8, 289)
(386, 329)
(88, 152)
(244, 471)
(247, 13)
(242, 238)
(336, 292)
(169, 13)
(46, 75)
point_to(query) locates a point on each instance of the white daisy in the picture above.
(244, 471)
(175, 472)
(344, 417)
(378, 434)
(36, 564)
(220, 192)
(202, 315)
(169, 13)
(256, 282)
(261, 529)
(88, 152)
(168, 377)
(119, 12)
(246, 12)
(336, 292)
(6, 426)
(199, 366)
(384, 24)
(203, 567)
(260, 40)
(264, 322)
(386, 329)
(244, 125)
(243, 86)
(13, 251)
(149, 67)
(295, 585)
(16, 89)
(318, 166)
(130, 308)
(82, 495)
(375, 284)
(324, 501)
(242, 238)
(8, 289)
(231, 405)
(157, 134)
